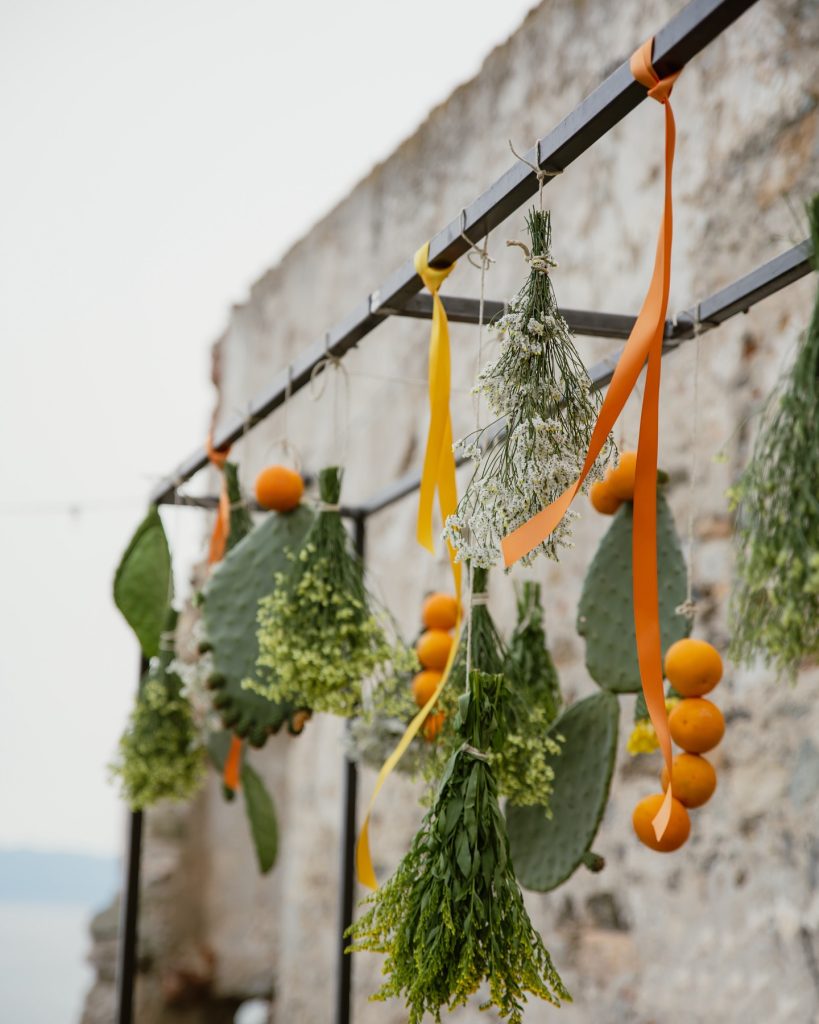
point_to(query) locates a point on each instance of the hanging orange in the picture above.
(424, 685)
(433, 726)
(620, 480)
(679, 824)
(279, 488)
(602, 498)
(693, 667)
(693, 779)
(696, 725)
(440, 611)
(433, 648)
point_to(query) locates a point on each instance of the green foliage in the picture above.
(229, 614)
(160, 754)
(605, 615)
(522, 768)
(319, 636)
(547, 850)
(528, 659)
(241, 521)
(261, 814)
(452, 915)
(143, 585)
(775, 601)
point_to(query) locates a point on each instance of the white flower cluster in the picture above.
(539, 384)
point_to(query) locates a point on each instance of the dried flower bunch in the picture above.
(452, 916)
(775, 602)
(320, 638)
(161, 755)
(539, 384)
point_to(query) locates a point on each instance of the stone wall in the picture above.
(728, 929)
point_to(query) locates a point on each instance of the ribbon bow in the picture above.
(644, 346)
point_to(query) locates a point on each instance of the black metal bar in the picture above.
(685, 35)
(129, 910)
(211, 501)
(344, 977)
(460, 310)
(738, 297)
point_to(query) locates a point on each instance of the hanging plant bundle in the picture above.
(775, 602)
(319, 636)
(529, 660)
(452, 916)
(160, 756)
(241, 521)
(522, 767)
(539, 384)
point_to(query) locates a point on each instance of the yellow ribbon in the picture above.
(438, 475)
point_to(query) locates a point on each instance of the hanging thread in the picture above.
(689, 607)
(543, 174)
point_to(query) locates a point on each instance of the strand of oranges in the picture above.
(439, 616)
(693, 667)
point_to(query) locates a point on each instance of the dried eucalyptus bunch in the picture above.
(775, 601)
(539, 384)
(521, 768)
(452, 916)
(320, 636)
(161, 755)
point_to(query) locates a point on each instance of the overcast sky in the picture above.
(158, 155)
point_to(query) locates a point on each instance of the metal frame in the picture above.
(685, 35)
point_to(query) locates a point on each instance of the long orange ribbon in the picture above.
(644, 347)
(221, 528)
(233, 762)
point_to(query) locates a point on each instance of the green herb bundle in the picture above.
(319, 637)
(452, 916)
(521, 766)
(161, 756)
(539, 384)
(241, 521)
(775, 601)
(529, 661)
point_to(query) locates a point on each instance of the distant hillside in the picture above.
(28, 876)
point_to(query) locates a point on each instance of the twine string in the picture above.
(689, 607)
(543, 174)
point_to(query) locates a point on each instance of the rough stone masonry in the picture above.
(728, 928)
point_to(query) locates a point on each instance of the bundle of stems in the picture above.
(775, 600)
(452, 916)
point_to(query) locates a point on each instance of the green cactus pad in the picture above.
(143, 583)
(605, 615)
(230, 601)
(546, 851)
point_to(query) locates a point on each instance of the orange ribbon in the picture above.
(230, 773)
(221, 528)
(644, 346)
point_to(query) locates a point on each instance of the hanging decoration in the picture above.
(775, 600)
(452, 916)
(528, 657)
(143, 583)
(279, 488)
(548, 849)
(230, 602)
(320, 635)
(643, 348)
(160, 754)
(605, 614)
(221, 525)
(540, 385)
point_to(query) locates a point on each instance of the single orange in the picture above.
(424, 685)
(433, 725)
(440, 611)
(602, 499)
(433, 648)
(693, 667)
(620, 480)
(279, 488)
(696, 725)
(693, 779)
(677, 831)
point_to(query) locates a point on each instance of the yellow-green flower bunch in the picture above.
(452, 916)
(521, 765)
(320, 637)
(161, 756)
(643, 737)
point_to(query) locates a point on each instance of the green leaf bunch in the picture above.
(319, 635)
(452, 916)
(775, 601)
